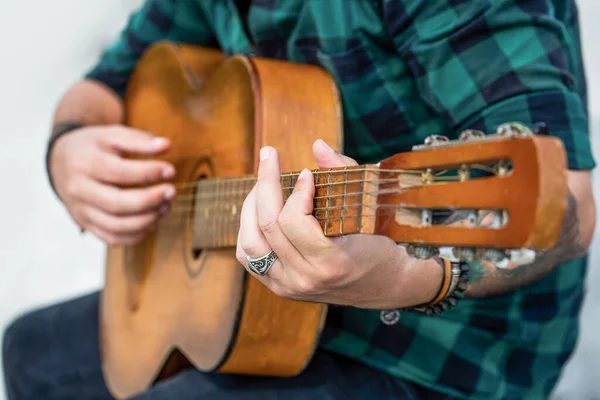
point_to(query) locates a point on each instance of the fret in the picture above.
(224, 211)
(287, 185)
(217, 213)
(344, 201)
(234, 195)
(240, 197)
(328, 199)
(210, 207)
(370, 189)
(340, 194)
(237, 189)
(362, 189)
(231, 198)
(239, 194)
(225, 204)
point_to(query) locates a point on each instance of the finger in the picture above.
(117, 201)
(326, 157)
(251, 241)
(124, 225)
(128, 140)
(116, 240)
(269, 203)
(110, 168)
(298, 223)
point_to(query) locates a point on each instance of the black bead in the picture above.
(445, 306)
(465, 267)
(453, 301)
(437, 310)
(459, 294)
(462, 286)
(428, 312)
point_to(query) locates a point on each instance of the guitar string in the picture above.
(225, 218)
(346, 207)
(333, 171)
(390, 208)
(207, 195)
(228, 233)
(227, 229)
(235, 201)
(228, 218)
(210, 194)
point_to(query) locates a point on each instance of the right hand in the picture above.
(91, 176)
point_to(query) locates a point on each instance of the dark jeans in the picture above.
(53, 353)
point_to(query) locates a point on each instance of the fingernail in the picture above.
(168, 172)
(328, 147)
(264, 154)
(305, 174)
(159, 141)
(169, 193)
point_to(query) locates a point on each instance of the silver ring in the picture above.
(262, 265)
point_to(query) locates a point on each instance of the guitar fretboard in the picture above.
(341, 203)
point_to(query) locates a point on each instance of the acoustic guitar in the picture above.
(180, 299)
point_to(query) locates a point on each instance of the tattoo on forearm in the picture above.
(486, 279)
(478, 271)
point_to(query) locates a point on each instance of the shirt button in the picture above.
(390, 317)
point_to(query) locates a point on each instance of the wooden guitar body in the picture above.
(161, 295)
(181, 299)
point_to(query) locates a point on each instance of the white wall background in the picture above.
(43, 258)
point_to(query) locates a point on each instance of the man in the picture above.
(405, 69)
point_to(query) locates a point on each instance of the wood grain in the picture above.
(180, 299)
(160, 297)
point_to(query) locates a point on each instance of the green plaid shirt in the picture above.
(408, 69)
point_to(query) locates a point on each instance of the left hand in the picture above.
(366, 271)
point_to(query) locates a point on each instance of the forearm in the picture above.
(89, 103)
(418, 282)
(420, 279)
(574, 241)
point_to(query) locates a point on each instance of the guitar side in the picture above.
(159, 295)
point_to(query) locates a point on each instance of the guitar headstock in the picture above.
(478, 197)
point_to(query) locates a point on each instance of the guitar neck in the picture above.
(343, 203)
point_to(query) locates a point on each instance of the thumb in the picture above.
(126, 140)
(328, 158)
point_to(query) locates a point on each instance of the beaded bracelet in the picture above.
(454, 284)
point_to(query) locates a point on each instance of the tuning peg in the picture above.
(494, 255)
(421, 252)
(501, 168)
(434, 140)
(513, 129)
(471, 134)
(465, 254)
(522, 256)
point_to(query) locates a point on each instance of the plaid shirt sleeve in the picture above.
(155, 20)
(483, 63)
